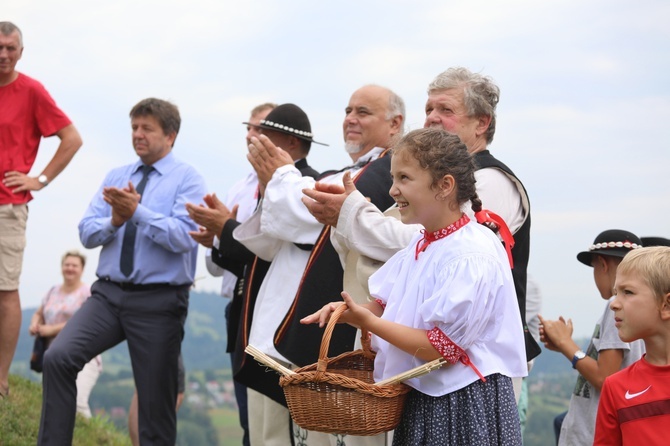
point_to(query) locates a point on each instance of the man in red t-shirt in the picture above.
(27, 113)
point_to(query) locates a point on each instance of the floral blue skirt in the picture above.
(482, 414)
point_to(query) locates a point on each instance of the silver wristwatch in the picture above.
(578, 355)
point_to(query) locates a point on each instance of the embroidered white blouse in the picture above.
(462, 285)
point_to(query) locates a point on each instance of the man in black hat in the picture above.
(288, 127)
(606, 353)
(373, 117)
(242, 198)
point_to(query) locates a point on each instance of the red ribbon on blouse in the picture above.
(495, 222)
(451, 351)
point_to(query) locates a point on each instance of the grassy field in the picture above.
(20, 420)
(227, 426)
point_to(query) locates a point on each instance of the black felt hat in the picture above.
(655, 241)
(613, 242)
(290, 119)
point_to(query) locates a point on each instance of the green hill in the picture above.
(204, 345)
(20, 420)
(208, 399)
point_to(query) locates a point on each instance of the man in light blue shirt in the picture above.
(146, 267)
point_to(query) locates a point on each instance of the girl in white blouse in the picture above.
(448, 294)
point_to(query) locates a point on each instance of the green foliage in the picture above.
(112, 393)
(542, 409)
(227, 424)
(550, 385)
(195, 427)
(20, 418)
(203, 347)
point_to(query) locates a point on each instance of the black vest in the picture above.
(251, 271)
(521, 250)
(322, 281)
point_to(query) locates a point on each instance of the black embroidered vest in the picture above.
(521, 250)
(322, 281)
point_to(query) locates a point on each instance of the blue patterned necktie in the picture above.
(128, 246)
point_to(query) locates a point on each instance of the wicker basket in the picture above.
(338, 395)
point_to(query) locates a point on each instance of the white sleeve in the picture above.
(469, 300)
(250, 235)
(363, 228)
(214, 269)
(500, 195)
(283, 214)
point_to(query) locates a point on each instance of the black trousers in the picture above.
(152, 321)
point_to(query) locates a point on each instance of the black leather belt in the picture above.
(129, 286)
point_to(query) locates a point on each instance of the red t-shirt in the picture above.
(634, 406)
(27, 113)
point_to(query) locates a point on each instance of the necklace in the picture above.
(430, 237)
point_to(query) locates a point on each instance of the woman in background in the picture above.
(57, 307)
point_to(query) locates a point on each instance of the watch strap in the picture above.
(579, 354)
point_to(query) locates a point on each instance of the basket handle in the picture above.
(322, 363)
(325, 340)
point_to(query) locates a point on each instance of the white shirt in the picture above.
(244, 193)
(499, 194)
(281, 221)
(461, 284)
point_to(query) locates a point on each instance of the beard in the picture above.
(352, 148)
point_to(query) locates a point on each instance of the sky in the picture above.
(582, 120)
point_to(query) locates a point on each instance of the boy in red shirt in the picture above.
(635, 402)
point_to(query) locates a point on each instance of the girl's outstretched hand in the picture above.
(355, 315)
(322, 316)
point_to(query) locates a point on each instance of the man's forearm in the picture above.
(70, 142)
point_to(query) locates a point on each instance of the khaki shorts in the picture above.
(13, 218)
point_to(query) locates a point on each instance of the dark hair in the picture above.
(165, 112)
(305, 145)
(442, 153)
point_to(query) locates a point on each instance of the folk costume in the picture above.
(362, 228)
(459, 288)
(322, 280)
(251, 270)
(258, 244)
(282, 230)
(495, 192)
